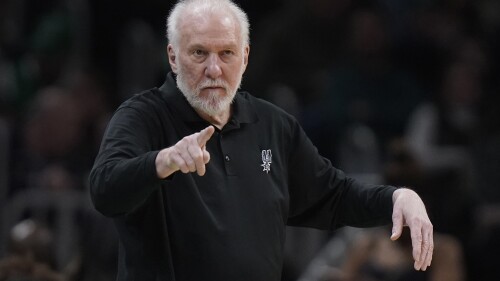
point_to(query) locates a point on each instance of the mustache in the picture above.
(213, 83)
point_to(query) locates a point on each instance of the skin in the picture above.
(409, 210)
(210, 47)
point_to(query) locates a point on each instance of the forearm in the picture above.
(324, 197)
(120, 186)
(366, 205)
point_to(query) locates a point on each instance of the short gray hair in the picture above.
(209, 6)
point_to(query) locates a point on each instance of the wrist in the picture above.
(163, 169)
(400, 192)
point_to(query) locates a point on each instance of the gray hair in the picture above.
(207, 6)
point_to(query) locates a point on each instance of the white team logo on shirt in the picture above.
(267, 159)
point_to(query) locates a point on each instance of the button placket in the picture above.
(226, 155)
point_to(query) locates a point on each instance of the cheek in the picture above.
(235, 74)
(191, 71)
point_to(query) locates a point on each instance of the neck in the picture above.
(218, 120)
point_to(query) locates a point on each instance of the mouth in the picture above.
(213, 88)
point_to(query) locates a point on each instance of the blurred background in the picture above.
(392, 92)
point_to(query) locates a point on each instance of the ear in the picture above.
(172, 58)
(246, 53)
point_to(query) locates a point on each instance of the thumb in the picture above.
(397, 226)
(204, 135)
(206, 156)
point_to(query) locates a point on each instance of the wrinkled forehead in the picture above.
(213, 23)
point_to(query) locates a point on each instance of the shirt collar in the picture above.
(243, 109)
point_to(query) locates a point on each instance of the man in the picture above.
(201, 179)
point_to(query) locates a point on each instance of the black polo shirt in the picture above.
(229, 224)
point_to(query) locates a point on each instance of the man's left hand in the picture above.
(409, 210)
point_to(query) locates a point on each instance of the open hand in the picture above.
(410, 210)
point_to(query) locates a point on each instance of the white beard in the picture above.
(212, 104)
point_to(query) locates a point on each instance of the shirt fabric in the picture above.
(264, 173)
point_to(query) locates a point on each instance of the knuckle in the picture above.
(196, 154)
(188, 139)
(416, 237)
(396, 215)
(184, 140)
(417, 222)
(189, 162)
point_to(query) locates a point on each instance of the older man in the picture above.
(202, 179)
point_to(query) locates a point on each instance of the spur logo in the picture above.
(267, 159)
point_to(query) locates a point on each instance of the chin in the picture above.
(215, 107)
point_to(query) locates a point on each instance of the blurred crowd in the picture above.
(392, 92)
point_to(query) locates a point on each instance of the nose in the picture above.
(213, 69)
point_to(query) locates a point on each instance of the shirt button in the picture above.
(227, 158)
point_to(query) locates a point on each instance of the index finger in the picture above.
(204, 135)
(416, 241)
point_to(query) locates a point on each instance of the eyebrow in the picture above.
(224, 47)
(196, 46)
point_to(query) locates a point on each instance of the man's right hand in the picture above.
(188, 155)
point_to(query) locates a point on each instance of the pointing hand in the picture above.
(188, 155)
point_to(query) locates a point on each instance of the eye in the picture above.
(198, 52)
(227, 53)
